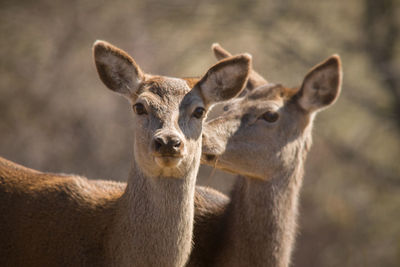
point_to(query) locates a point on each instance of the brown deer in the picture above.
(60, 220)
(264, 137)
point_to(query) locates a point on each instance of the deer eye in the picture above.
(139, 109)
(270, 116)
(199, 112)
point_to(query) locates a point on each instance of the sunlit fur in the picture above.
(65, 220)
(83, 210)
(258, 226)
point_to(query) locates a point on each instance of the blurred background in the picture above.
(56, 115)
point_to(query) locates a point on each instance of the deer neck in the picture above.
(154, 219)
(262, 218)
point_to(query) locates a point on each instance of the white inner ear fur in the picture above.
(117, 69)
(122, 73)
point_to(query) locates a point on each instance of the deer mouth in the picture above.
(208, 158)
(168, 160)
(168, 155)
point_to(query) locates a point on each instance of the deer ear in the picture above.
(225, 80)
(321, 86)
(118, 71)
(219, 52)
(255, 79)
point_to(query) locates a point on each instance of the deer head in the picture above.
(168, 114)
(270, 124)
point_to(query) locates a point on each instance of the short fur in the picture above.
(57, 220)
(259, 223)
(20, 187)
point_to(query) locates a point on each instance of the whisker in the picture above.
(213, 170)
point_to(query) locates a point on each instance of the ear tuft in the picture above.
(321, 86)
(215, 45)
(248, 56)
(118, 71)
(100, 43)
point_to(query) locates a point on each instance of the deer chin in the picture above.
(168, 161)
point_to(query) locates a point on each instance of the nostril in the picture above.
(158, 143)
(175, 142)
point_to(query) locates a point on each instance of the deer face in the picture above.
(268, 129)
(168, 114)
(168, 121)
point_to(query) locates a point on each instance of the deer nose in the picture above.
(168, 144)
(175, 142)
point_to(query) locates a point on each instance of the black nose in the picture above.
(175, 142)
(167, 144)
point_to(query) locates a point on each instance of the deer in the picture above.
(264, 137)
(52, 219)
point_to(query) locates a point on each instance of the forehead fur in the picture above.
(165, 89)
(272, 92)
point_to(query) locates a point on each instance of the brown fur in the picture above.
(258, 225)
(64, 220)
(34, 210)
(25, 183)
(191, 81)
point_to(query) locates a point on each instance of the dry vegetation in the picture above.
(55, 115)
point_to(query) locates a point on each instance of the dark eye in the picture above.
(199, 112)
(139, 109)
(270, 116)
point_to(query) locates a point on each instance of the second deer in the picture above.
(264, 137)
